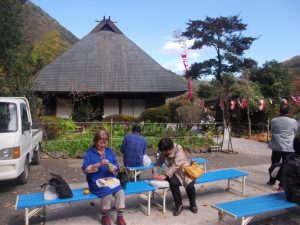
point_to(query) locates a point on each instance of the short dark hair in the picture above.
(284, 109)
(165, 144)
(136, 128)
(296, 145)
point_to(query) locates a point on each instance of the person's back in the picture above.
(134, 148)
(283, 131)
(291, 172)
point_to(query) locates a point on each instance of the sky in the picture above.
(151, 24)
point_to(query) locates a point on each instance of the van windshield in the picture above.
(8, 117)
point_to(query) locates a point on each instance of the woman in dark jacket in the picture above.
(100, 166)
(291, 172)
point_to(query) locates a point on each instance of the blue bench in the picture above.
(224, 174)
(211, 176)
(137, 170)
(246, 209)
(37, 201)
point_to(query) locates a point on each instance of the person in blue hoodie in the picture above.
(100, 166)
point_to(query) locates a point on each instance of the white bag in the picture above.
(146, 160)
(160, 183)
(50, 193)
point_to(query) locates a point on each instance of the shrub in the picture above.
(51, 127)
(120, 118)
(83, 112)
(54, 127)
(158, 115)
(189, 114)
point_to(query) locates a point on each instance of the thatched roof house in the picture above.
(106, 64)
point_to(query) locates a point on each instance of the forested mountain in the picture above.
(37, 24)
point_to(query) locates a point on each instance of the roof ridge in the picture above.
(106, 25)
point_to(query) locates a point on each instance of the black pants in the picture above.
(175, 189)
(275, 158)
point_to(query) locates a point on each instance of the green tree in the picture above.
(224, 35)
(10, 40)
(274, 80)
(47, 49)
(249, 90)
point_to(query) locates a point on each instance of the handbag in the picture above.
(122, 176)
(193, 171)
(61, 186)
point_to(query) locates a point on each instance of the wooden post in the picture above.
(268, 129)
(111, 132)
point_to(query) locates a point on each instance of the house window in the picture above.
(64, 108)
(111, 107)
(133, 107)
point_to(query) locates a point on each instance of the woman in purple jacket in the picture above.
(100, 166)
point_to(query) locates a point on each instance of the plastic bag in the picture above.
(146, 160)
(50, 193)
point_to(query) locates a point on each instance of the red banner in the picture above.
(185, 64)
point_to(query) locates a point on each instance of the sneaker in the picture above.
(105, 220)
(270, 183)
(120, 220)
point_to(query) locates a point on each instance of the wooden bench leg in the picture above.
(149, 202)
(246, 220)
(161, 197)
(26, 216)
(164, 199)
(221, 216)
(147, 197)
(29, 214)
(243, 185)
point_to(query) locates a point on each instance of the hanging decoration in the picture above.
(242, 103)
(284, 101)
(296, 100)
(222, 105)
(262, 105)
(232, 105)
(185, 64)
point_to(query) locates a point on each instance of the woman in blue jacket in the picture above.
(100, 166)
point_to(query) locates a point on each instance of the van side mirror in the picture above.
(26, 126)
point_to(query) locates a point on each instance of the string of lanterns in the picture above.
(261, 103)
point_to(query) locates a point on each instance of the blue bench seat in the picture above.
(36, 200)
(246, 209)
(211, 176)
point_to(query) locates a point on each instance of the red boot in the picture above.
(105, 220)
(120, 220)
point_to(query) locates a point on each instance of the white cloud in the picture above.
(175, 66)
(173, 47)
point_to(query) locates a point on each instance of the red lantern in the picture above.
(232, 105)
(222, 104)
(262, 105)
(296, 100)
(244, 103)
(284, 101)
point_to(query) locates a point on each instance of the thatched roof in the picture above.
(106, 61)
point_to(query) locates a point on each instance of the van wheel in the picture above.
(36, 157)
(23, 178)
